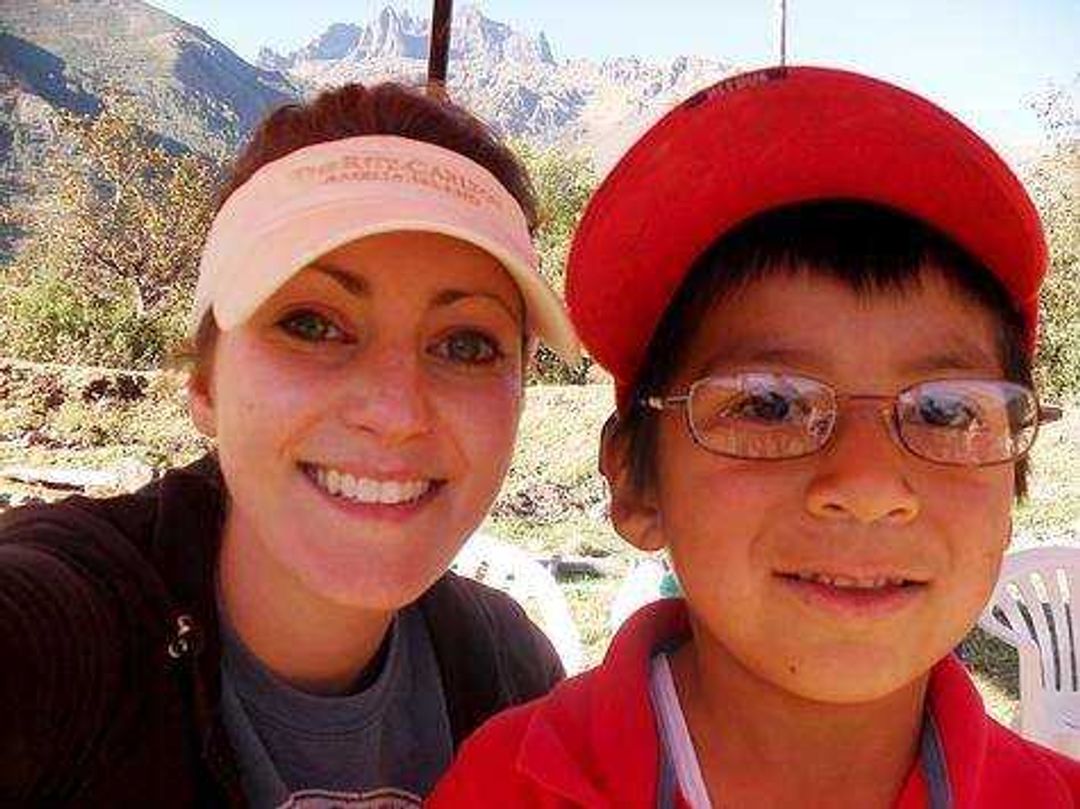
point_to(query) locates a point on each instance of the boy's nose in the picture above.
(388, 396)
(862, 474)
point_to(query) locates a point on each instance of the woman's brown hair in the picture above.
(388, 108)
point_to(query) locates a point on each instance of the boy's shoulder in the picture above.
(1018, 771)
(592, 741)
(986, 763)
(539, 754)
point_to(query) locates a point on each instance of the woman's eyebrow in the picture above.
(357, 287)
(449, 296)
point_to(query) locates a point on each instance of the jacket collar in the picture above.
(606, 711)
(956, 710)
(595, 741)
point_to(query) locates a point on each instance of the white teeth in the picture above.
(349, 486)
(331, 480)
(366, 490)
(850, 582)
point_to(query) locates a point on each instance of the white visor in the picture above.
(302, 206)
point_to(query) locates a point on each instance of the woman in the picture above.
(272, 625)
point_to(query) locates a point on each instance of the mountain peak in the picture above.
(508, 76)
(474, 33)
(394, 33)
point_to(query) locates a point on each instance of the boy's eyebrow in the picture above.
(962, 356)
(791, 355)
(959, 355)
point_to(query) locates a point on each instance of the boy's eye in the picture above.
(954, 413)
(767, 407)
(468, 347)
(311, 327)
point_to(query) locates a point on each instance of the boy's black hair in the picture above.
(870, 248)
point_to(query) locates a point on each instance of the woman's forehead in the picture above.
(438, 268)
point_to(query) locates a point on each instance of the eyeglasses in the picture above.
(771, 416)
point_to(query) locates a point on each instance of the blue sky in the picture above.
(983, 60)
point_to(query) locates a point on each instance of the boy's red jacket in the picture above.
(593, 741)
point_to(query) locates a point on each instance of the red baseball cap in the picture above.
(774, 137)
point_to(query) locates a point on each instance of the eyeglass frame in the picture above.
(1045, 414)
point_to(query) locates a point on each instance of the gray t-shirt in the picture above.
(383, 747)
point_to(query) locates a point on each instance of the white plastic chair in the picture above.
(500, 565)
(642, 585)
(1032, 610)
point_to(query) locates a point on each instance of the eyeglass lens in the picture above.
(773, 416)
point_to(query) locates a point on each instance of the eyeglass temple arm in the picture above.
(663, 402)
(1049, 413)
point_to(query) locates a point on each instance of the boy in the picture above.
(817, 294)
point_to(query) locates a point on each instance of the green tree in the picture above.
(1054, 183)
(108, 269)
(563, 183)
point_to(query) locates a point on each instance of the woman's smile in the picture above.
(390, 394)
(380, 497)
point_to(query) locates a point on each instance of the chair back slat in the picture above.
(1072, 581)
(1034, 600)
(1057, 595)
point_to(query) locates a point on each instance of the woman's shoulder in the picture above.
(80, 623)
(480, 609)
(490, 655)
(89, 567)
(96, 524)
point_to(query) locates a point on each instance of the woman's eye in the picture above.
(311, 327)
(468, 348)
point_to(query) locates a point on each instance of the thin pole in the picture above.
(782, 22)
(439, 52)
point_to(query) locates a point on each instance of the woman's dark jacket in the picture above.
(110, 655)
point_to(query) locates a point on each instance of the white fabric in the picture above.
(676, 735)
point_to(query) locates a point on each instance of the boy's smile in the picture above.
(844, 575)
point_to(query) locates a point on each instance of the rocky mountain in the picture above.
(69, 54)
(511, 78)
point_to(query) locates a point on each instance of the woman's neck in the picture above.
(315, 644)
(759, 745)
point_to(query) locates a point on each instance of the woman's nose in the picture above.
(386, 393)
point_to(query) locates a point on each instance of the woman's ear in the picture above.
(201, 403)
(634, 510)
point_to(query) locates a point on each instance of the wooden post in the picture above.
(439, 52)
(781, 22)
